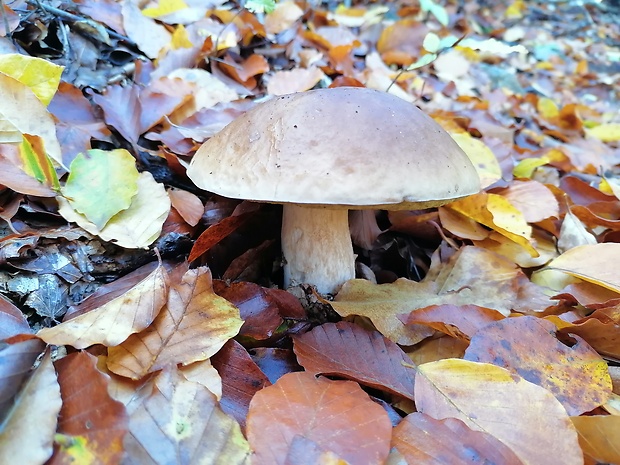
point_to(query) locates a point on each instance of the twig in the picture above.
(75, 18)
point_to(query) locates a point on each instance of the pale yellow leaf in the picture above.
(491, 399)
(113, 321)
(482, 158)
(27, 431)
(594, 263)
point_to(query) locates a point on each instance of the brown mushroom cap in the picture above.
(350, 147)
(343, 148)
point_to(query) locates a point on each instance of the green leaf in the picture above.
(423, 61)
(101, 184)
(260, 6)
(437, 11)
(432, 43)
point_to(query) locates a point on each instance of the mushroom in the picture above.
(323, 152)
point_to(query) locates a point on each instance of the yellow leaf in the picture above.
(547, 108)
(609, 132)
(481, 156)
(164, 7)
(41, 76)
(593, 263)
(491, 399)
(496, 212)
(180, 38)
(526, 167)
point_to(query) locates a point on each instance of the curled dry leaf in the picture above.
(331, 416)
(421, 439)
(295, 80)
(187, 204)
(575, 374)
(192, 326)
(28, 430)
(591, 263)
(109, 320)
(491, 399)
(179, 422)
(345, 349)
(92, 425)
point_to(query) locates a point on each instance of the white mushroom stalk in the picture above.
(317, 248)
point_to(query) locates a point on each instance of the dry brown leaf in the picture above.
(111, 319)
(345, 349)
(472, 276)
(193, 325)
(91, 423)
(421, 439)
(524, 416)
(179, 422)
(335, 416)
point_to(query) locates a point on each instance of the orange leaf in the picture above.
(332, 416)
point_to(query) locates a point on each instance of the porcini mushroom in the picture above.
(323, 152)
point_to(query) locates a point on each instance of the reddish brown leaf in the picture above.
(421, 439)
(241, 379)
(345, 349)
(460, 321)
(16, 361)
(12, 320)
(257, 308)
(214, 234)
(335, 416)
(576, 375)
(92, 425)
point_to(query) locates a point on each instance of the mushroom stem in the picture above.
(317, 247)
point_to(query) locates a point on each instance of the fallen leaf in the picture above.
(491, 399)
(599, 437)
(92, 425)
(101, 184)
(528, 346)
(27, 431)
(136, 227)
(111, 319)
(179, 422)
(336, 416)
(421, 439)
(591, 263)
(347, 350)
(192, 326)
